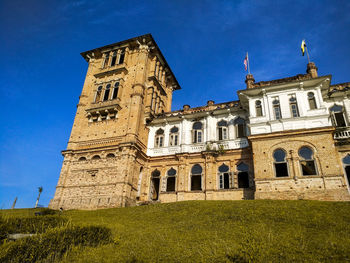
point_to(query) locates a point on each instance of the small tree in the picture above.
(37, 200)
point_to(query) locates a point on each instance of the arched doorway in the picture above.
(155, 183)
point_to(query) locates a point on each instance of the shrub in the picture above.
(54, 243)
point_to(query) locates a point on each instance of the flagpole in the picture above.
(248, 64)
(307, 53)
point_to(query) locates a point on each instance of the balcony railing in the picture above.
(343, 133)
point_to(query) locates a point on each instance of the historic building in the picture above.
(283, 139)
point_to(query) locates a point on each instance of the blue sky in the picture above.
(204, 42)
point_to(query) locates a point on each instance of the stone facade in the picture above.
(127, 146)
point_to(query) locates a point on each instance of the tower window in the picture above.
(277, 109)
(196, 177)
(197, 131)
(174, 136)
(307, 161)
(280, 163)
(293, 107)
(121, 56)
(312, 101)
(107, 90)
(222, 130)
(114, 58)
(105, 63)
(115, 90)
(98, 94)
(258, 108)
(159, 138)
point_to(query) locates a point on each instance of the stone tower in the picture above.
(127, 84)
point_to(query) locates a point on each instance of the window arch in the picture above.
(312, 100)
(171, 180)
(121, 56)
(224, 177)
(107, 90)
(307, 161)
(222, 130)
(197, 132)
(96, 157)
(337, 113)
(174, 136)
(276, 109)
(240, 127)
(155, 184)
(243, 175)
(258, 108)
(81, 159)
(110, 155)
(196, 177)
(159, 138)
(280, 163)
(106, 60)
(115, 90)
(98, 94)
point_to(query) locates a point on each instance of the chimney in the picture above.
(312, 70)
(210, 103)
(249, 80)
(186, 107)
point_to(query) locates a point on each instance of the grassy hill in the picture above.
(215, 231)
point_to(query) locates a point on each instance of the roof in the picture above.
(85, 53)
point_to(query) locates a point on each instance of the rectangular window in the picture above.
(199, 133)
(224, 133)
(114, 58)
(121, 56)
(294, 110)
(196, 182)
(277, 112)
(240, 130)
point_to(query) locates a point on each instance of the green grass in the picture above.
(216, 231)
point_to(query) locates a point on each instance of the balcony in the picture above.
(103, 110)
(200, 147)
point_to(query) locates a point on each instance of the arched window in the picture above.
(159, 138)
(240, 127)
(114, 58)
(293, 107)
(98, 94)
(280, 163)
(312, 100)
(338, 116)
(243, 175)
(174, 136)
(171, 180)
(197, 132)
(81, 159)
(155, 183)
(222, 130)
(115, 90)
(121, 56)
(96, 157)
(307, 161)
(276, 109)
(224, 177)
(106, 95)
(110, 155)
(196, 177)
(258, 108)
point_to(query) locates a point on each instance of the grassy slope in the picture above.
(218, 231)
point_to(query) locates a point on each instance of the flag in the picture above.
(246, 62)
(303, 46)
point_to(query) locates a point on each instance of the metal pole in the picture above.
(307, 53)
(248, 64)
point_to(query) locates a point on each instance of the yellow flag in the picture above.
(303, 46)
